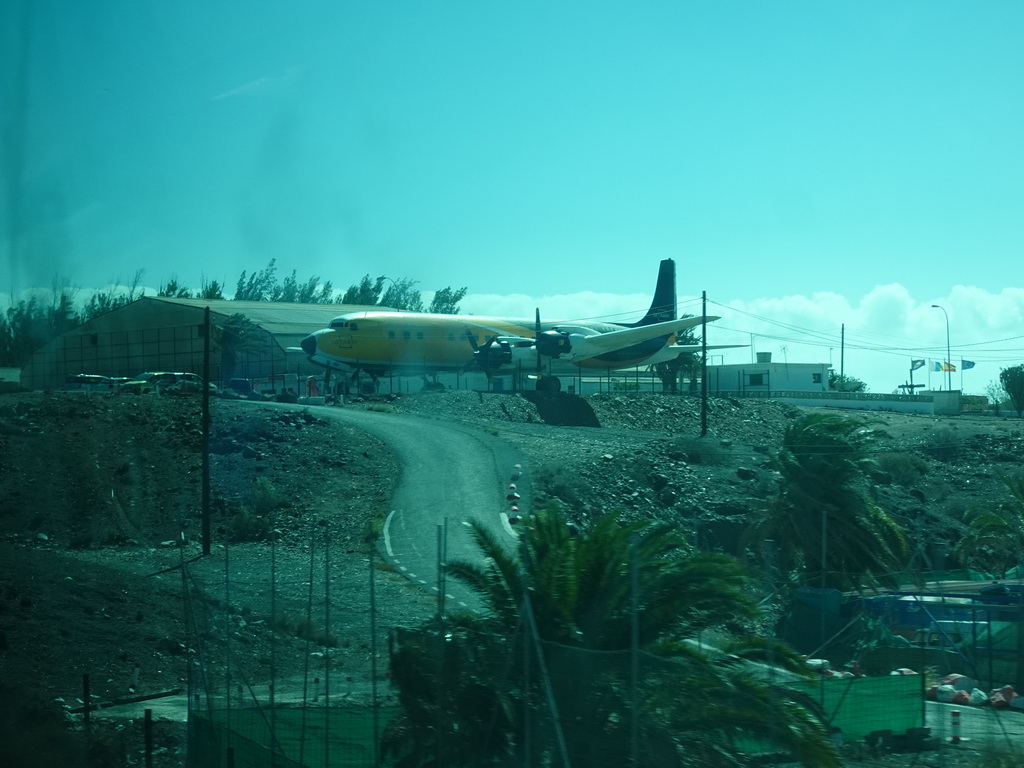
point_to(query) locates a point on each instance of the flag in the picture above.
(966, 365)
(943, 366)
(937, 366)
(915, 364)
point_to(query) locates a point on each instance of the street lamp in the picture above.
(949, 361)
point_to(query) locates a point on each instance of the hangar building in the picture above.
(165, 334)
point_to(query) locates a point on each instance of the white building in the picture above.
(766, 376)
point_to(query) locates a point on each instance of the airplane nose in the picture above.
(308, 345)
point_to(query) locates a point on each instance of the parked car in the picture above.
(89, 382)
(147, 382)
(169, 382)
(241, 386)
(184, 383)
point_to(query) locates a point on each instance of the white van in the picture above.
(951, 634)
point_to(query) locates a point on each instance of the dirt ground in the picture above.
(100, 499)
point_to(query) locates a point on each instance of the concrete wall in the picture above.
(934, 403)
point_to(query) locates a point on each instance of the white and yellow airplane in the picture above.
(410, 343)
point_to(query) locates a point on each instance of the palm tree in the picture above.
(995, 535)
(827, 531)
(582, 639)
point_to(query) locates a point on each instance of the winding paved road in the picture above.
(451, 473)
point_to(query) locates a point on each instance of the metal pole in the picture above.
(634, 682)
(842, 350)
(949, 362)
(147, 733)
(704, 364)
(327, 646)
(824, 571)
(206, 437)
(373, 661)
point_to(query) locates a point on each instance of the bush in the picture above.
(251, 522)
(944, 445)
(246, 526)
(905, 469)
(555, 481)
(699, 450)
(263, 499)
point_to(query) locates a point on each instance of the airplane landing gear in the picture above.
(432, 384)
(549, 384)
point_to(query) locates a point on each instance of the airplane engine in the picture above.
(524, 357)
(553, 344)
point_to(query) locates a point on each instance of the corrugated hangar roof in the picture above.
(277, 318)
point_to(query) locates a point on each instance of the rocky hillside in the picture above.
(96, 491)
(648, 459)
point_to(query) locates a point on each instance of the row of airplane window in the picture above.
(391, 334)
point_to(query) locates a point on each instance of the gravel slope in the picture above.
(95, 490)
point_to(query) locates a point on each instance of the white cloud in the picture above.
(873, 338)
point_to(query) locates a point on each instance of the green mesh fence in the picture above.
(271, 641)
(497, 696)
(858, 706)
(285, 738)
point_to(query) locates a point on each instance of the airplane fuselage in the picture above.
(411, 342)
(379, 342)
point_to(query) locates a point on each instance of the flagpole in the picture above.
(949, 373)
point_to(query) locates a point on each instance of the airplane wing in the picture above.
(600, 344)
(699, 347)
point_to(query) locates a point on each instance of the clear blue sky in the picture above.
(813, 163)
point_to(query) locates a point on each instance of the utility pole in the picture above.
(842, 350)
(205, 511)
(704, 363)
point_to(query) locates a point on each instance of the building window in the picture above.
(816, 378)
(755, 380)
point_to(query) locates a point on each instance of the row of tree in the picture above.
(31, 323)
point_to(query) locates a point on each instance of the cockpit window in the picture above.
(337, 323)
(353, 326)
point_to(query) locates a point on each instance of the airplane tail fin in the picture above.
(663, 307)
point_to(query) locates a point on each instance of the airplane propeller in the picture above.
(496, 351)
(487, 356)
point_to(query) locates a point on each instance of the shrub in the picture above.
(699, 450)
(944, 445)
(905, 469)
(555, 481)
(263, 499)
(247, 526)
(251, 522)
